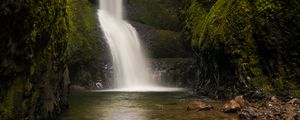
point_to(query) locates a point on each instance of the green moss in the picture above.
(84, 46)
(254, 38)
(33, 41)
(34, 97)
(194, 16)
(32, 69)
(263, 83)
(28, 86)
(8, 105)
(297, 93)
(157, 13)
(25, 105)
(167, 44)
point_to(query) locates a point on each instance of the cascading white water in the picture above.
(131, 70)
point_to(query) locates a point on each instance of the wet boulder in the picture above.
(294, 101)
(231, 107)
(249, 113)
(198, 106)
(241, 101)
(235, 105)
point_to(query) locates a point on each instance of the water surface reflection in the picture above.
(137, 106)
(122, 106)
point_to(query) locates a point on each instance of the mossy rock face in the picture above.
(161, 43)
(86, 46)
(159, 27)
(168, 44)
(249, 44)
(162, 14)
(33, 39)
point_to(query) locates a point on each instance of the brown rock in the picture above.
(232, 106)
(240, 100)
(291, 110)
(275, 99)
(198, 106)
(290, 113)
(273, 109)
(294, 101)
(249, 113)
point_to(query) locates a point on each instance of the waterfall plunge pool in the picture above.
(91, 105)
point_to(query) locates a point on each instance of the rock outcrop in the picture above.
(34, 77)
(244, 45)
(87, 49)
(174, 72)
(159, 27)
(235, 105)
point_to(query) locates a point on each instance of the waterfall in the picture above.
(130, 66)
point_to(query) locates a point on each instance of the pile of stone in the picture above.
(272, 109)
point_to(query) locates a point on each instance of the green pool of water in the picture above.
(137, 106)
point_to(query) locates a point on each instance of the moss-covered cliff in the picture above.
(85, 46)
(34, 76)
(161, 14)
(243, 44)
(158, 25)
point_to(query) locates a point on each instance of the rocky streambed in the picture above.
(94, 105)
(272, 108)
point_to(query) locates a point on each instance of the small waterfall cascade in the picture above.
(131, 70)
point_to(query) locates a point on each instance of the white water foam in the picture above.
(132, 73)
(143, 89)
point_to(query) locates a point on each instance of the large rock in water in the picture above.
(198, 106)
(235, 105)
(34, 76)
(244, 44)
(240, 100)
(232, 106)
